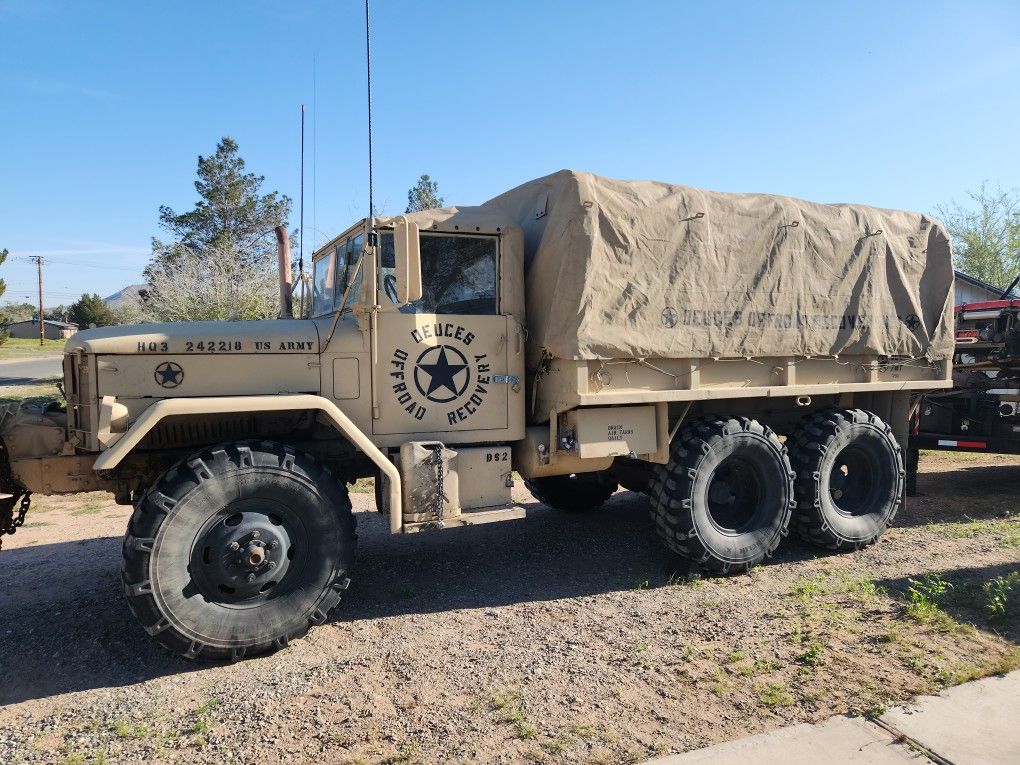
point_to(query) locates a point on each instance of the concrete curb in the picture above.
(973, 724)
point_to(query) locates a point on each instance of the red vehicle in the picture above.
(982, 411)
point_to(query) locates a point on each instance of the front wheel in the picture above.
(237, 550)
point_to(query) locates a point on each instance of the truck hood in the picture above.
(199, 337)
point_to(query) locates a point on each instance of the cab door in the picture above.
(443, 360)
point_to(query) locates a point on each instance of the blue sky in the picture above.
(105, 106)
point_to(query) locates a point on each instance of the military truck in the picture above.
(748, 361)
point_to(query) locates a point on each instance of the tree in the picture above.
(211, 286)
(232, 222)
(20, 311)
(986, 236)
(130, 312)
(231, 214)
(89, 310)
(57, 313)
(424, 195)
(4, 318)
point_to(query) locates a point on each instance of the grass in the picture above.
(200, 727)
(583, 731)
(92, 507)
(126, 730)
(363, 486)
(813, 656)
(38, 393)
(999, 665)
(1005, 530)
(865, 588)
(999, 594)
(553, 745)
(759, 667)
(804, 588)
(954, 456)
(924, 596)
(508, 704)
(24, 347)
(526, 731)
(404, 755)
(774, 695)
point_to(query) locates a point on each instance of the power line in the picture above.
(31, 259)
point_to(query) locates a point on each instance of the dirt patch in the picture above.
(562, 638)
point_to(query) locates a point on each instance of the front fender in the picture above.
(171, 407)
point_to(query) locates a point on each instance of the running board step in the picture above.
(469, 518)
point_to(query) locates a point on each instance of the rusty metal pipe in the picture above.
(286, 279)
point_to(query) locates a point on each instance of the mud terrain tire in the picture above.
(850, 478)
(237, 550)
(725, 497)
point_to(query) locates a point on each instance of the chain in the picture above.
(440, 493)
(9, 523)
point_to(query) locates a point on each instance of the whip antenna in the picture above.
(368, 69)
(301, 240)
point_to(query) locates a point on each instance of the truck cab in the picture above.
(445, 362)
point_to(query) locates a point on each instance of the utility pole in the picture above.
(42, 325)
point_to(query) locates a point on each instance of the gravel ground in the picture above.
(562, 638)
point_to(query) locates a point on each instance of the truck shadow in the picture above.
(65, 626)
(551, 555)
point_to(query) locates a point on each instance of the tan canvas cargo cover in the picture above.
(645, 269)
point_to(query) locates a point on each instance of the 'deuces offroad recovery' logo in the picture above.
(439, 369)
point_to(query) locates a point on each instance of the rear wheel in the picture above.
(574, 493)
(725, 497)
(850, 478)
(237, 550)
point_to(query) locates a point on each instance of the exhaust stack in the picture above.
(286, 279)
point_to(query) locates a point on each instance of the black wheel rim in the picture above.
(735, 495)
(854, 482)
(247, 553)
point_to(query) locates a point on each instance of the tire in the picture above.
(850, 478)
(202, 598)
(574, 493)
(725, 498)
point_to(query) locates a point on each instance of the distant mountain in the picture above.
(129, 295)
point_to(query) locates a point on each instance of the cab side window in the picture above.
(458, 274)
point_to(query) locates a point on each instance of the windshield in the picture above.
(331, 275)
(458, 274)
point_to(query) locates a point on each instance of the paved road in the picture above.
(29, 370)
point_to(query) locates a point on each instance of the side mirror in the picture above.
(408, 260)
